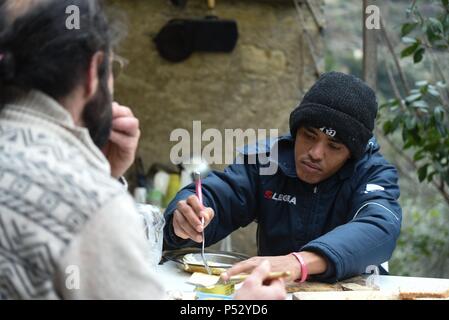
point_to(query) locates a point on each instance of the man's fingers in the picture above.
(262, 270)
(259, 274)
(200, 210)
(257, 285)
(127, 125)
(277, 290)
(194, 202)
(186, 228)
(124, 141)
(242, 267)
(178, 229)
(208, 214)
(190, 215)
(121, 111)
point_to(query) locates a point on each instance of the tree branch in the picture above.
(394, 86)
(403, 172)
(395, 59)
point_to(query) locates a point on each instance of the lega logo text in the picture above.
(270, 195)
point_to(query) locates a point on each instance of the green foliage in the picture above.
(422, 117)
(419, 250)
(423, 123)
(428, 32)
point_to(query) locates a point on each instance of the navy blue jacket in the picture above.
(353, 218)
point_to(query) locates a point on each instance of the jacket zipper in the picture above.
(311, 215)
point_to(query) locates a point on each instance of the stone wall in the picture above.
(255, 86)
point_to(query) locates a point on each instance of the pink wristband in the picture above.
(304, 272)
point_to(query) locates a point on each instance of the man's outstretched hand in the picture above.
(277, 263)
(316, 264)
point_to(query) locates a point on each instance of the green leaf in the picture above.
(386, 128)
(418, 156)
(422, 172)
(441, 84)
(438, 113)
(394, 102)
(410, 122)
(445, 3)
(390, 103)
(420, 104)
(389, 127)
(436, 25)
(430, 176)
(433, 91)
(409, 50)
(446, 21)
(432, 35)
(424, 89)
(419, 54)
(421, 83)
(408, 144)
(441, 129)
(407, 28)
(413, 97)
(409, 40)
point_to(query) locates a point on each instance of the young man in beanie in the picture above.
(330, 211)
(68, 228)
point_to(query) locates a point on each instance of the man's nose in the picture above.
(316, 152)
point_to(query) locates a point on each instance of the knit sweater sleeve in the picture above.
(109, 258)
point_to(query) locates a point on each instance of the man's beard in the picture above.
(97, 115)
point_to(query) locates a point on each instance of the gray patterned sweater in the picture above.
(67, 229)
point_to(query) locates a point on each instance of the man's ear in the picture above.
(92, 80)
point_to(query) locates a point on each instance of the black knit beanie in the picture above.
(344, 105)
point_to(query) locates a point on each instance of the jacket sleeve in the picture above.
(369, 237)
(232, 196)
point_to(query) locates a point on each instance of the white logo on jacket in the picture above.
(270, 195)
(373, 187)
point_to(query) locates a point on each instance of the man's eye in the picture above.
(334, 146)
(309, 136)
